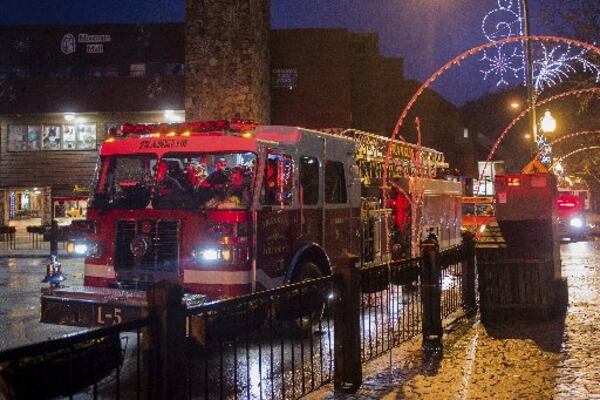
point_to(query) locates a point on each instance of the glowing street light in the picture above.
(515, 105)
(548, 122)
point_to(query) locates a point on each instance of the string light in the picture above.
(514, 122)
(456, 61)
(507, 59)
(557, 63)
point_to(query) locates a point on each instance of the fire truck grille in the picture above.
(162, 254)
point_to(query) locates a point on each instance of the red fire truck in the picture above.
(228, 208)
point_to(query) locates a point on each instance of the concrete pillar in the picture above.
(227, 60)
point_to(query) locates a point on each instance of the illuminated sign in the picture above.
(163, 143)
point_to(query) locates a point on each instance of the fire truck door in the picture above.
(310, 203)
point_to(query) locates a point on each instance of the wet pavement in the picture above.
(551, 360)
(20, 285)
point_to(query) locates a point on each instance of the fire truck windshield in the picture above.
(187, 181)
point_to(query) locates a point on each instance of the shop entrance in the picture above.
(25, 206)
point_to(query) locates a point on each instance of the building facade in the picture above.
(63, 87)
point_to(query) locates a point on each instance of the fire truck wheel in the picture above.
(305, 324)
(306, 271)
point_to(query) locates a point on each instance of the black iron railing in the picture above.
(276, 344)
(390, 307)
(102, 363)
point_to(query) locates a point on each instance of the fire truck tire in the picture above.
(305, 271)
(304, 325)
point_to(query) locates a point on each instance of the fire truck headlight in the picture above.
(80, 248)
(84, 248)
(207, 254)
(576, 222)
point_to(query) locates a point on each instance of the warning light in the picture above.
(514, 182)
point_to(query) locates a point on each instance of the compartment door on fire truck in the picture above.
(341, 206)
(277, 219)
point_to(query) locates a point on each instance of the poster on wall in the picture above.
(33, 137)
(17, 138)
(51, 137)
(86, 136)
(69, 137)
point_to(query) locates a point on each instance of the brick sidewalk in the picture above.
(551, 360)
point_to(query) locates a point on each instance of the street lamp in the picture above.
(529, 75)
(548, 123)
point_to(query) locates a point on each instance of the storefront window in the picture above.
(86, 136)
(70, 207)
(69, 137)
(33, 137)
(17, 138)
(51, 137)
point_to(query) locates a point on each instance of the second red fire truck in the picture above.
(229, 208)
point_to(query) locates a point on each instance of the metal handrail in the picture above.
(73, 339)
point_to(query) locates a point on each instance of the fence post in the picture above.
(431, 296)
(168, 340)
(53, 238)
(346, 322)
(468, 273)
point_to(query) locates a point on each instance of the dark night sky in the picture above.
(427, 33)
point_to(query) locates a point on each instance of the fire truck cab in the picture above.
(229, 208)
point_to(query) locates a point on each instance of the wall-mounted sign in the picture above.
(85, 38)
(94, 43)
(68, 44)
(96, 48)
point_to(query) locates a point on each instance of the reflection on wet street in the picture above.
(20, 284)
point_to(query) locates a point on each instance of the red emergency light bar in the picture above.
(183, 129)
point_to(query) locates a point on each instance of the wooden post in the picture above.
(167, 340)
(468, 273)
(431, 297)
(346, 321)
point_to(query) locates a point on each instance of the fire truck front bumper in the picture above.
(94, 307)
(90, 306)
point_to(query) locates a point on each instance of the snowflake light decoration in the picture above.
(557, 63)
(502, 64)
(506, 61)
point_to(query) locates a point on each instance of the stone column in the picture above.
(3, 208)
(227, 60)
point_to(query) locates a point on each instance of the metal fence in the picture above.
(390, 306)
(28, 241)
(275, 344)
(104, 363)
